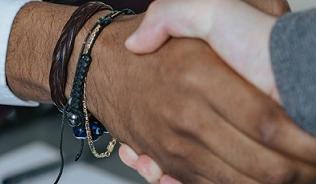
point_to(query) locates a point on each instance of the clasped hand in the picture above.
(235, 144)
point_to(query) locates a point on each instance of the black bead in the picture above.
(74, 117)
(85, 58)
(103, 21)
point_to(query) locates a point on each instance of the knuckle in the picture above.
(223, 179)
(181, 70)
(269, 125)
(178, 148)
(192, 127)
(167, 112)
(189, 119)
(184, 73)
(284, 174)
(189, 78)
(183, 67)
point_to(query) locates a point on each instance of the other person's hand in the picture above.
(238, 32)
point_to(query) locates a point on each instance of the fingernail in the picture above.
(144, 172)
(131, 154)
(128, 156)
(148, 169)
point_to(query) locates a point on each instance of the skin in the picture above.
(214, 25)
(181, 105)
(259, 73)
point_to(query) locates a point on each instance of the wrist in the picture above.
(107, 81)
(33, 36)
(201, 26)
(260, 72)
(240, 35)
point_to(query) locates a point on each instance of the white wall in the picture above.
(301, 4)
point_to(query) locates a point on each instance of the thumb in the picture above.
(150, 35)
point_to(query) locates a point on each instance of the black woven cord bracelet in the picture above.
(75, 111)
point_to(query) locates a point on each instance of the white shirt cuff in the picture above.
(8, 11)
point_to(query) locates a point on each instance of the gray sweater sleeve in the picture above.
(293, 55)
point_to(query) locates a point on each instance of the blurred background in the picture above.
(298, 5)
(29, 137)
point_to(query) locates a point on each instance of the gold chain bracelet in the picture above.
(111, 145)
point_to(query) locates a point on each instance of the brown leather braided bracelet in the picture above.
(64, 48)
(60, 60)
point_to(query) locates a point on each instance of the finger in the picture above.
(128, 155)
(214, 169)
(307, 175)
(235, 148)
(190, 158)
(246, 155)
(148, 169)
(254, 113)
(166, 179)
(189, 161)
(150, 35)
(267, 123)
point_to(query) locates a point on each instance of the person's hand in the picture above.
(175, 18)
(170, 123)
(238, 32)
(195, 117)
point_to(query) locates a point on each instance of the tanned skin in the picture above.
(273, 7)
(181, 105)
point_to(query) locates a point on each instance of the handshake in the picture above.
(206, 111)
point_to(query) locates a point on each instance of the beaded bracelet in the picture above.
(61, 57)
(75, 111)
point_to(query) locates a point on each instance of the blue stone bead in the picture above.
(79, 132)
(97, 130)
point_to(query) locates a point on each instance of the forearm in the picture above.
(35, 32)
(32, 40)
(34, 35)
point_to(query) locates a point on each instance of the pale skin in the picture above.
(237, 31)
(171, 105)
